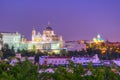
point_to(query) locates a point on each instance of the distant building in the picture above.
(47, 41)
(116, 44)
(12, 39)
(98, 39)
(74, 46)
(94, 59)
(46, 60)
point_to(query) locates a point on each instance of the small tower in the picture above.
(33, 34)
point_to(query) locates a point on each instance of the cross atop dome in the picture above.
(48, 27)
(48, 23)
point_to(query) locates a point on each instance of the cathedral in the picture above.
(47, 41)
(98, 39)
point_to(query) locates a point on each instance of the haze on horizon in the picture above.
(73, 19)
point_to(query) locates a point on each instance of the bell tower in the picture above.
(33, 34)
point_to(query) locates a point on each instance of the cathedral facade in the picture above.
(46, 41)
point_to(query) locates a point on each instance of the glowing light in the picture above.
(98, 39)
(56, 51)
(38, 39)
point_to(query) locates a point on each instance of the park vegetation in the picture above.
(28, 71)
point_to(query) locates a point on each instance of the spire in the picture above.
(33, 27)
(33, 31)
(48, 24)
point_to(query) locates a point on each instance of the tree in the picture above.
(24, 71)
(63, 52)
(34, 48)
(78, 72)
(1, 54)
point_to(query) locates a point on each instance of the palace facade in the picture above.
(12, 39)
(47, 41)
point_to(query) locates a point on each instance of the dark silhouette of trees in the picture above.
(7, 52)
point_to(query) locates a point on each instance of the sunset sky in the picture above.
(73, 19)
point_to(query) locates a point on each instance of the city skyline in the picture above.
(73, 20)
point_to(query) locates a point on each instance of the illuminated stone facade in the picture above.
(47, 41)
(11, 39)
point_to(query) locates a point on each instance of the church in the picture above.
(46, 41)
(98, 39)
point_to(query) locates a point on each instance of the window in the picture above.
(52, 61)
(59, 61)
(55, 61)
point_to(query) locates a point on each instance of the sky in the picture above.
(73, 19)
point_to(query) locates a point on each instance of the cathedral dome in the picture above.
(48, 28)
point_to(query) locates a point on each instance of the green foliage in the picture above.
(21, 71)
(28, 71)
(34, 48)
(1, 53)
